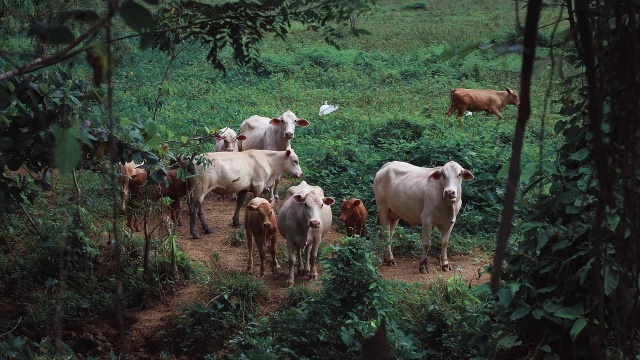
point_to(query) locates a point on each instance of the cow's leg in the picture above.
(313, 272)
(250, 248)
(239, 203)
(274, 190)
(461, 112)
(274, 259)
(291, 249)
(444, 243)
(261, 245)
(301, 266)
(384, 220)
(452, 109)
(193, 210)
(307, 255)
(205, 226)
(391, 261)
(426, 244)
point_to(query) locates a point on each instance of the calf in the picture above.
(263, 133)
(491, 101)
(304, 218)
(427, 196)
(354, 214)
(260, 223)
(229, 172)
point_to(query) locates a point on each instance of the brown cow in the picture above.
(354, 214)
(176, 190)
(260, 223)
(491, 101)
(126, 171)
(135, 187)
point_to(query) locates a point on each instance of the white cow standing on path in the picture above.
(304, 218)
(229, 172)
(427, 196)
(263, 133)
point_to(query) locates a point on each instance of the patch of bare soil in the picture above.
(147, 323)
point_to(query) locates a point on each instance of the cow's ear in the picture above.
(436, 175)
(218, 137)
(302, 122)
(287, 153)
(509, 91)
(275, 121)
(328, 200)
(344, 200)
(357, 202)
(251, 207)
(298, 198)
(241, 137)
(467, 175)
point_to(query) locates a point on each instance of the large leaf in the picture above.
(577, 328)
(67, 151)
(140, 19)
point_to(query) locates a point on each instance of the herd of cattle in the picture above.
(428, 196)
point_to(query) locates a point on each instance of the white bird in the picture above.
(468, 113)
(327, 109)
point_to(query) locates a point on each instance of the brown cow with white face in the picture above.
(260, 223)
(354, 214)
(127, 170)
(491, 101)
(427, 196)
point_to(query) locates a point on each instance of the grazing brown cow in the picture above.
(491, 101)
(428, 196)
(354, 214)
(260, 223)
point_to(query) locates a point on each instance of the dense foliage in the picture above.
(570, 279)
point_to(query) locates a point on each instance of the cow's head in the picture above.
(266, 216)
(513, 97)
(287, 123)
(230, 139)
(313, 202)
(292, 165)
(348, 208)
(451, 175)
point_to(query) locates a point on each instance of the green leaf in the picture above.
(577, 327)
(537, 314)
(520, 312)
(570, 313)
(584, 271)
(611, 278)
(580, 154)
(140, 19)
(67, 151)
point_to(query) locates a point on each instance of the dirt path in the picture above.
(218, 214)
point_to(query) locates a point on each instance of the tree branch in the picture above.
(524, 111)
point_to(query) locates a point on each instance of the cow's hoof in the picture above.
(313, 277)
(208, 231)
(391, 262)
(446, 267)
(289, 283)
(236, 223)
(423, 269)
(195, 236)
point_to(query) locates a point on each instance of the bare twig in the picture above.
(10, 331)
(35, 227)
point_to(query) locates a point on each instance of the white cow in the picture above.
(427, 196)
(227, 140)
(229, 172)
(270, 134)
(304, 218)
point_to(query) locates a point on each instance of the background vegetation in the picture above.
(391, 77)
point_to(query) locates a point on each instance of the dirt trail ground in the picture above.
(218, 213)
